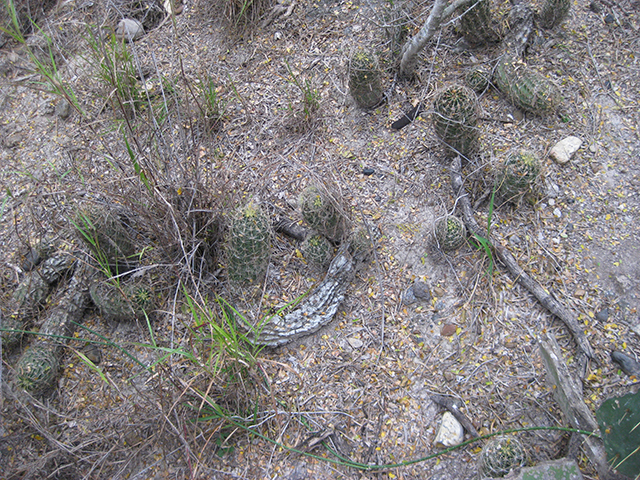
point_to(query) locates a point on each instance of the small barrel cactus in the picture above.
(517, 176)
(478, 78)
(455, 119)
(525, 88)
(501, 455)
(361, 245)
(317, 250)
(248, 246)
(553, 13)
(450, 232)
(321, 212)
(476, 23)
(124, 301)
(12, 328)
(37, 368)
(103, 232)
(365, 82)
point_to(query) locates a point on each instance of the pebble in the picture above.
(63, 109)
(564, 149)
(557, 213)
(603, 315)
(450, 432)
(129, 29)
(448, 330)
(368, 171)
(355, 342)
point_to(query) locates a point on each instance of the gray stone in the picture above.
(450, 432)
(562, 469)
(63, 109)
(419, 291)
(129, 29)
(564, 149)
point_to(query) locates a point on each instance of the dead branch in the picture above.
(542, 295)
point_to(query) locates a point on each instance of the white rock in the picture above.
(450, 432)
(355, 342)
(564, 149)
(129, 29)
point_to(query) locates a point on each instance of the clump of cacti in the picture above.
(455, 119)
(526, 88)
(123, 301)
(450, 232)
(248, 246)
(365, 83)
(478, 78)
(321, 211)
(103, 232)
(37, 368)
(501, 455)
(553, 13)
(476, 23)
(317, 250)
(517, 176)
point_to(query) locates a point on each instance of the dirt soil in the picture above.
(363, 383)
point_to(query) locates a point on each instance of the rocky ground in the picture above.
(416, 322)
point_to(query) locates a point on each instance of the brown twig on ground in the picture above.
(452, 406)
(542, 295)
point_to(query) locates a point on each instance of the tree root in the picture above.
(585, 352)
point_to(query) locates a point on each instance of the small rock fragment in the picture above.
(63, 109)
(355, 342)
(448, 330)
(450, 432)
(129, 29)
(603, 315)
(628, 365)
(564, 149)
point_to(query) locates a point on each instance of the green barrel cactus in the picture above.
(361, 245)
(476, 23)
(12, 327)
(123, 301)
(517, 176)
(317, 250)
(525, 88)
(553, 13)
(321, 212)
(455, 119)
(103, 232)
(450, 232)
(500, 455)
(478, 78)
(365, 82)
(248, 246)
(38, 368)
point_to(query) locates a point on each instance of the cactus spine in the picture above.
(455, 119)
(526, 88)
(450, 232)
(248, 246)
(365, 82)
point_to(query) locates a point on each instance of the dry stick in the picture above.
(544, 297)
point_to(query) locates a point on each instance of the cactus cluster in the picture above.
(450, 232)
(455, 119)
(248, 246)
(321, 212)
(103, 232)
(476, 23)
(501, 455)
(553, 13)
(317, 250)
(525, 88)
(124, 301)
(365, 83)
(517, 176)
(37, 368)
